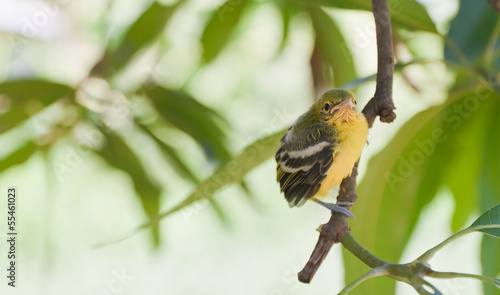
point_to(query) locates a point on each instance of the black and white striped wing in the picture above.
(303, 161)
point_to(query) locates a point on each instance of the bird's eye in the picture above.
(326, 107)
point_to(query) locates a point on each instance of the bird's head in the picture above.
(336, 106)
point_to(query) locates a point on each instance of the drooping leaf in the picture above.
(172, 156)
(287, 10)
(470, 31)
(21, 92)
(490, 262)
(464, 149)
(332, 46)
(13, 118)
(19, 156)
(246, 188)
(233, 171)
(410, 14)
(141, 33)
(174, 159)
(457, 158)
(117, 154)
(462, 182)
(489, 190)
(221, 214)
(192, 117)
(220, 26)
(489, 184)
(45, 92)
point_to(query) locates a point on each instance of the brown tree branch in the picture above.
(380, 105)
(495, 4)
(317, 66)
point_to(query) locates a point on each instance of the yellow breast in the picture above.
(350, 143)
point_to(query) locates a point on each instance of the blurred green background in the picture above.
(113, 112)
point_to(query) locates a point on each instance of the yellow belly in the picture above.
(350, 143)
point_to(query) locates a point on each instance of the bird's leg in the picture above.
(338, 207)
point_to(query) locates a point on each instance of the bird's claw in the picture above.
(339, 207)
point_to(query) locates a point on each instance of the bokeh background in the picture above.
(115, 112)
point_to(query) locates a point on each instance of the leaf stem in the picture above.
(462, 59)
(374, 272)
(490, 47)
(450, 275)
(431, 252)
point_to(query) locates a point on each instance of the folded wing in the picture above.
(303, 161)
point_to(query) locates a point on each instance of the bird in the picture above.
(320, 149)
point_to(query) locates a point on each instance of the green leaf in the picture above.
(172, 156)
(233, 171)
(489, 184)
(45, 92)
(19, 156)
(464, 149)
(287, 10)
(489, 190)
(220, 26)
(462, 182)
(22, 92)
(143, 32)
(117, 154)
(190, 116)
(245, 186)
(221, 215)
(490, 217)
(332, 46)
(470, 31)
(13, 118)
(410, 14)
(490, 262)
(455, 162)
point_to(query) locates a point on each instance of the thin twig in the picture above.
(434, 289)
(431, 252)
(380, 105)
(421, 291)
(451, 275)
(373, 273)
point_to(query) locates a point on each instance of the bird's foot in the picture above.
(338, 207)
